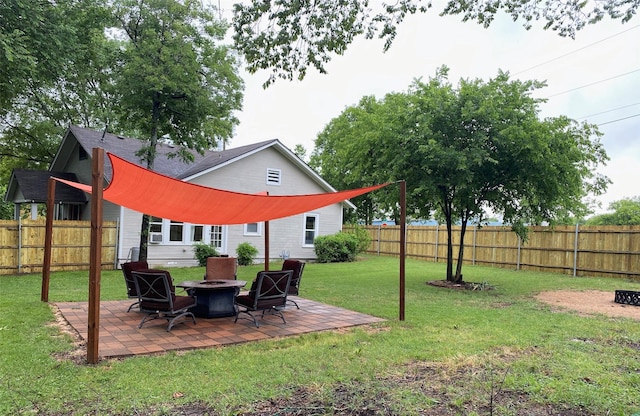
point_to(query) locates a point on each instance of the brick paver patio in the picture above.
(120, 336)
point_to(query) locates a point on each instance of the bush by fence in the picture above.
(576, 250)
(22, 245)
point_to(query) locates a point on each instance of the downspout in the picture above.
(116, 252)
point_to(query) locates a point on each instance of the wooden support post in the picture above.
(403, 244)
(95, 256)
(266, 245)
(48, 239)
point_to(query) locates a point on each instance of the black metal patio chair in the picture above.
(297, 267)
(127, 268)
(268, 293)
(158, 299)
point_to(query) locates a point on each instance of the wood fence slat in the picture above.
(612, 251)
(22, 245)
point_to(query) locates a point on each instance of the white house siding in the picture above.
(82, 168)
(129, 233)
(249, 176)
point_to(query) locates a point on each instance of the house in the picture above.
(31, 187)
(267, 166)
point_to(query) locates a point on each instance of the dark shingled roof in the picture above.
(34, 186)
(164, 163)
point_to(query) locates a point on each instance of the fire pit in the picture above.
(629, 297)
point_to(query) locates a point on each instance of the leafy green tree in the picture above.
(625, 212)
(6, 208)
(156, 69)
(468, 150)
(55, 65)
(300, 151)
(288, 37)
(176, 79)
(348, 153)
(31, 39)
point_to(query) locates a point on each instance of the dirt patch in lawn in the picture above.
(589, 302)
(462, 388)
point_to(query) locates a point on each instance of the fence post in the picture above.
(575, 250)
(379, 233)
(519, 254)
(19, 244)
(435, 256)
(473, 255)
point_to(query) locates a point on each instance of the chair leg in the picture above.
(132, 305)
(172, 321)
(276, 310)
(255, 321)
(294, 302)
(148, 317)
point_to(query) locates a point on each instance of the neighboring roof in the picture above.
(33, 185)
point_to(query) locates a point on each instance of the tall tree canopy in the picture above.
(176, 80)
(154, 69)
(98, 64)
(288, 37)
(55, 64)
(467, 150)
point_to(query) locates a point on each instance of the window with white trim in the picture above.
(176, 230)
(253, 228)
(155, 230)
(216, 236)
(274, 176)
(310, 229)
(197, 233)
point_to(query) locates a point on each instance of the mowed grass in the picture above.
(500, 340)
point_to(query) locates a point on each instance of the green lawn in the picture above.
(456, 351)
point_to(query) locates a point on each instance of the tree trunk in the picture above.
(463, 230)
(150, 156)
(449, 221)
(144, 237)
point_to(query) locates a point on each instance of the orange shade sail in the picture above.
(148, 192)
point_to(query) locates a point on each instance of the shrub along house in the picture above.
(267, 166)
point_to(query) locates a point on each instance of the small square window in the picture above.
(252, 228)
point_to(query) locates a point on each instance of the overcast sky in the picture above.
(595, 77)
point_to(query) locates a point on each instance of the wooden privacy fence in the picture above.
(22, 245)
(612, 251)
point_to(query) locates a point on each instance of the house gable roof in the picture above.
(33, 186)
(124, 147)
(165, 164)
(220, 159)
